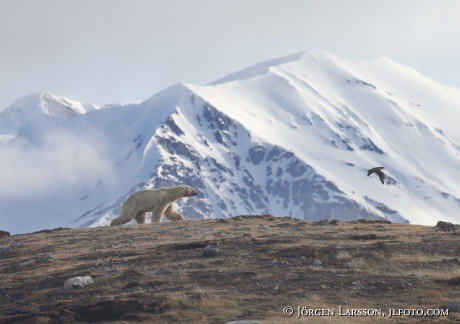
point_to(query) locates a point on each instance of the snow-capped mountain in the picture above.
(291, 136)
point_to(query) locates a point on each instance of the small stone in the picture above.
(265, 227)
(445, 226)
(77, 282)
(417, 274)
(211, 251)
(44, 258)
(317, 262)
(400, 282)
(452, 306)
(4, 233)
(103, 264)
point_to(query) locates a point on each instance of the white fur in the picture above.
(158, 201)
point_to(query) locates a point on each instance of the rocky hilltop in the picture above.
(237, 269)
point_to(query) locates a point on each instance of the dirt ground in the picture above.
(156, 273)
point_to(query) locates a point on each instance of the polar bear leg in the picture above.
(156, 215)
(140, 217)
(126, 215)
(172, 215)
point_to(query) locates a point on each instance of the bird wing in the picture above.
(376, 169)
(370, 171)
(381, 176)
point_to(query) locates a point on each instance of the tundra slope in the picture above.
(291, 136)
(157, 273)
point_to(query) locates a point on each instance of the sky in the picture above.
(120, 51)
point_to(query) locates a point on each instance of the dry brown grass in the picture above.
(260, 271)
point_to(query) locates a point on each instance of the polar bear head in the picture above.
(187, 191)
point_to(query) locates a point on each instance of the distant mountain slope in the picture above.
(291, 136)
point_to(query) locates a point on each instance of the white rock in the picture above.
(77, 282)
(418, 274)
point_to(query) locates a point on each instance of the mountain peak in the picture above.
(263, 67)
(60, 106)
(259, 68)
(49, 104)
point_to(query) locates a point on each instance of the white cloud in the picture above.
(60, 159)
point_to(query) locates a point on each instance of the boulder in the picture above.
(77, 282)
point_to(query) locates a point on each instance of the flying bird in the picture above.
(379, 172)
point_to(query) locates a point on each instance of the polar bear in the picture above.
(158, 201)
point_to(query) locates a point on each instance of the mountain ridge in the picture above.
(332, 116)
